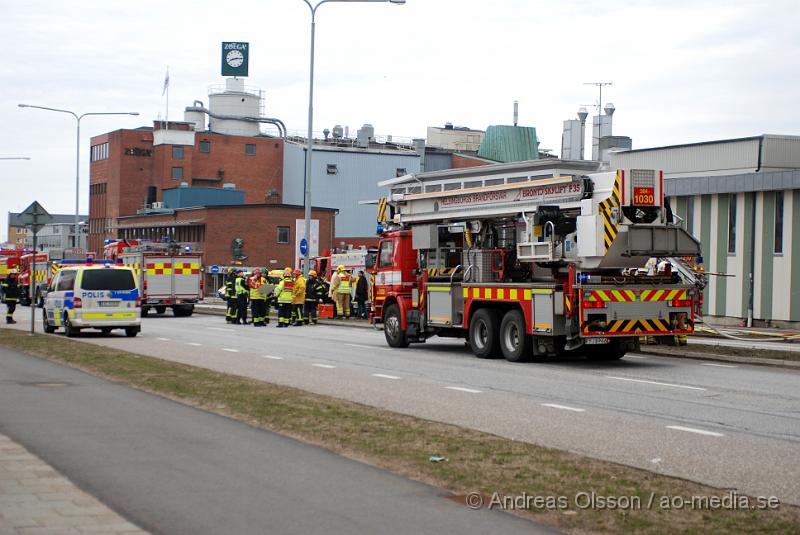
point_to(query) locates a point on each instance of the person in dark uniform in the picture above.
(11, 295)
(230, 296)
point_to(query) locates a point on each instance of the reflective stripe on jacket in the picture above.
(344, 284)
(255, 284)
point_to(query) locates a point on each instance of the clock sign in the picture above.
(234, 58)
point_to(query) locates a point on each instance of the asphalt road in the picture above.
(727, 425)
(176, 470)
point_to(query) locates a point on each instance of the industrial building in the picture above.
(56, 236)
(741, 199)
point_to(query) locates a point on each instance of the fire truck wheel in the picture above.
(392, 327)
(145, 310)
(69, 330)
(484, 339)
(49, 329)
(515, 344)
(161, 310)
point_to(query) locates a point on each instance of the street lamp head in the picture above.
(398, 2)
(24, 105)
(133, 113)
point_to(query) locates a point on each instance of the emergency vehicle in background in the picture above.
(354, 259)
(41, 278)
(168, 274)
(530, 260)
(9, 260)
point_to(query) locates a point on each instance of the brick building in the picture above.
(130, 169)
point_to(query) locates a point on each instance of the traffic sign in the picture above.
(303, 246)
(35, 216)
(213, 269)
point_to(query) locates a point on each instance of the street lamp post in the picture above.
(307, 199)
(78, 154)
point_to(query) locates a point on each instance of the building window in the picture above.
(177, 173)
(400, 171)
(332, 169)
(283, 235)
(690, 215)
(250, 149)
(177, 152)
(99, 152)
(732, 224)
(205, 146)
(778, 249)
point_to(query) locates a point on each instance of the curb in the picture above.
(213, 311)
(775, 363)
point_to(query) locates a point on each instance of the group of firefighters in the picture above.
(295, 297)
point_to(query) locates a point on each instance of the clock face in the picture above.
(234, 58)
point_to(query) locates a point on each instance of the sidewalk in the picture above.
(218, 309)
(36, 500)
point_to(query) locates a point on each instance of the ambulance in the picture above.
(101, 296)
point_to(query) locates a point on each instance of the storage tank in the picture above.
(235, 100)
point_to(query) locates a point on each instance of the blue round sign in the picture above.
(303, 246)
(213, 269)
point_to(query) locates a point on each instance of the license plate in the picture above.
(108, 303)
(596, 341)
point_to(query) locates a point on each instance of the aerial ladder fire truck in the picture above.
(530, 260)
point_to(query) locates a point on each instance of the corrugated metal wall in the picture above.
(356, 177)
(704, 158)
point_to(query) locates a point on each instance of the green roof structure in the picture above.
(504, 143)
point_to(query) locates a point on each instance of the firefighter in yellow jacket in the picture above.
(258, 300)
(298, 297)
(340, 292)
(284, 293)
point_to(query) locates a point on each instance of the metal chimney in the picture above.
(516, 112)
(419, 147)
(582, 115)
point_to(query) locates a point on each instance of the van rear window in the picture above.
(108, 279)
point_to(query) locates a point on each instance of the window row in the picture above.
(205, 147)
(333, 169)
(99, 152)
(97, 189)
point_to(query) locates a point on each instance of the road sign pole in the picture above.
(32, 281)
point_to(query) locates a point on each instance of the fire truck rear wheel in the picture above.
(161, 310)
(514, 342)
(393, 327)
(484, 330)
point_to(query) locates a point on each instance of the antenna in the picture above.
(599, 86)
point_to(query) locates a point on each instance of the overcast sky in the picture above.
(682, 71)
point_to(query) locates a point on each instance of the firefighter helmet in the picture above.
(312, 273)
(297, 272)
(340, 268)
(287, 271)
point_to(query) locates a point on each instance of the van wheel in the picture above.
(106, 330)
(130, 332)
(483, 334)
(49, 329)
(69, 330)
(392, 327)
(514, 341)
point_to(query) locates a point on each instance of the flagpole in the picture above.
(166, 89)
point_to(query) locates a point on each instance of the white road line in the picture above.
(384, 376)
(719, 365)
(693, 430)
(326, 366)
(462, 389)
(193, 344)
(163, 339)
(273, 357)
(562, 407)
(228, 349)
(369, 347)
(653, 382)
(221, 329)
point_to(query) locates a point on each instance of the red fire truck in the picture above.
(530, 260)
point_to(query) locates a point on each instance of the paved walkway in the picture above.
(36, 500)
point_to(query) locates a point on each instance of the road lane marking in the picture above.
(221, 329)
(273, 357)
(562, 407)
(363, 346)
(326, 366)
(635, 357)
(693, 430)
(230, 350)
(384, 376)
(653, 382)
(719, 365)
(163, 339)
(462, 389)
(193, 344)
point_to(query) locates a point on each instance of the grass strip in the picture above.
(496, 468)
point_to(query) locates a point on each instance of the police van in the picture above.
(101, 296)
